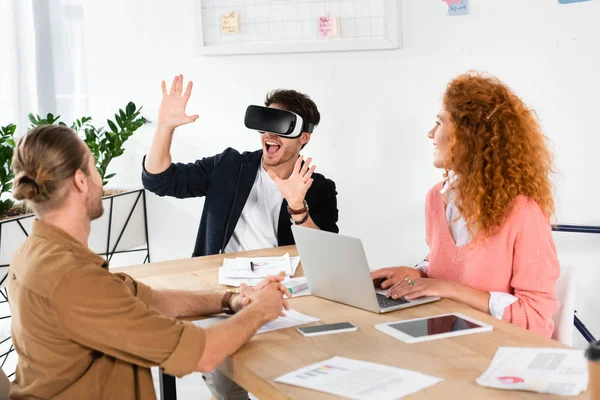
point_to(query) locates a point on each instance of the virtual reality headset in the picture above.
(279, 122)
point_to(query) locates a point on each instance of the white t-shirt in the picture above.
(257, 226)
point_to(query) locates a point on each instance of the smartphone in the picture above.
(328, 329)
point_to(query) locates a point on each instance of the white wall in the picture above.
(376, 109)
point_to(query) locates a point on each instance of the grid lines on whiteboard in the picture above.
(294, 21)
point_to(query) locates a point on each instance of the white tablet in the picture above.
(432, 328)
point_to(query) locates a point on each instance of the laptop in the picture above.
(336, 269)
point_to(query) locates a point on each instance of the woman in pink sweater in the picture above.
(487, 224)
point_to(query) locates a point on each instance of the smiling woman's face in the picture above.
(440, 134)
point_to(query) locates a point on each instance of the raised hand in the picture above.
(295, 187)
(171, 113)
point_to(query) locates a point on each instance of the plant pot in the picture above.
(121, 234)
(15, 211)
(122, 230)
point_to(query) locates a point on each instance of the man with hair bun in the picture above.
(82, 332)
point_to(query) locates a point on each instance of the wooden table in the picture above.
(459, 360)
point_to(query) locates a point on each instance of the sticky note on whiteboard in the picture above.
(460, 8)
(571, 1)
(327, 26)
(230, 23)
(451, 1)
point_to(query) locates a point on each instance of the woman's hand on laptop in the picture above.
(391, 276)
(413, 288)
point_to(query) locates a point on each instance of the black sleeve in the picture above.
(323, 210)
(182, 180)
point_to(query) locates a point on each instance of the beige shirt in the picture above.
(82, 332)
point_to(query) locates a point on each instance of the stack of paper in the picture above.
(292, 318)
(555, 371)
(359, 379)
(251, 271)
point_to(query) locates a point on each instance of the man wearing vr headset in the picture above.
(252, 198)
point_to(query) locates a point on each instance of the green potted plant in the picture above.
(105, 145)
(123, 227)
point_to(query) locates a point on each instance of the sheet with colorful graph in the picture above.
(359, 380)
(563, 372)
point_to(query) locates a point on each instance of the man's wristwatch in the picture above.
(226, 301)
(303, 210)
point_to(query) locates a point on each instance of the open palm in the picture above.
(295, 187)
(171, 113)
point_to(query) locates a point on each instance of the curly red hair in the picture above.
(497, 149)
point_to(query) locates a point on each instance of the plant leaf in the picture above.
(112, 125)
(6, 205)
(32, 119)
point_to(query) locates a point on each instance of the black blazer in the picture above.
(226, 180)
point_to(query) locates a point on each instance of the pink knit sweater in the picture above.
(519, 259)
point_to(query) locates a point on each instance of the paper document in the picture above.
(236, 271)
(359, 379)
(555, 371)
(258, 267)
(236, 282)
(299, 286)
(292, 318)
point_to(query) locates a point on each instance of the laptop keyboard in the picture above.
(384, 302)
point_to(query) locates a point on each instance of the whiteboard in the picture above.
(292, 26)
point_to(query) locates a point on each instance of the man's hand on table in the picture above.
(251, 294)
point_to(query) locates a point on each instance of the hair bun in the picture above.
(26, 188)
